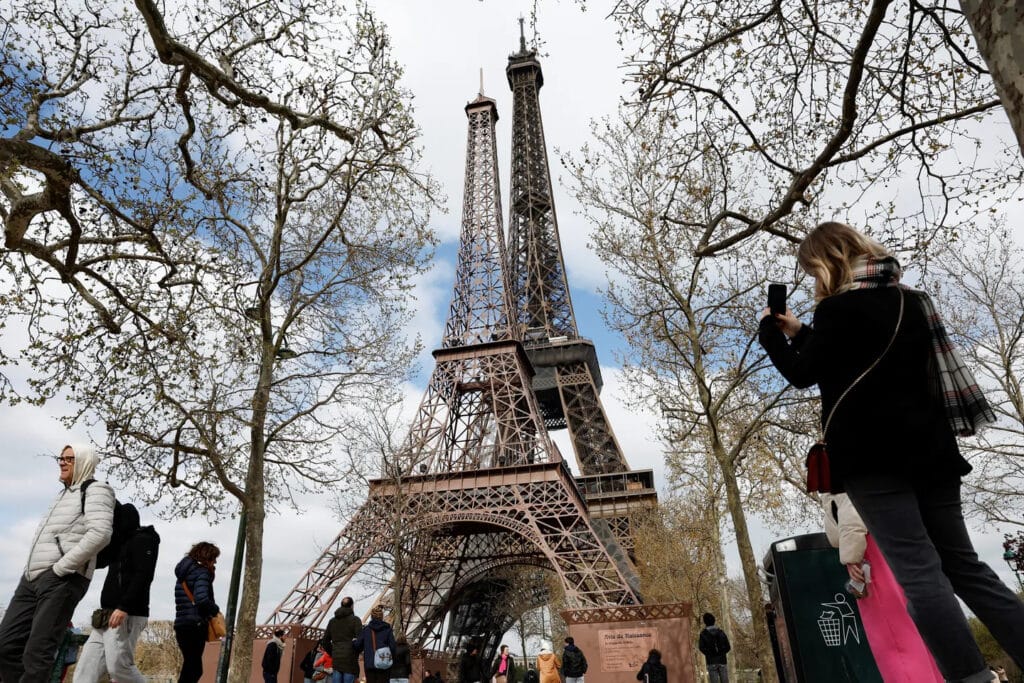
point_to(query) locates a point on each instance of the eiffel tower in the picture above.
(481, 485)
(568, 379)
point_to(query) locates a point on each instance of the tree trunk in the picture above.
(245, 631)
(755, 595)
(998, 27)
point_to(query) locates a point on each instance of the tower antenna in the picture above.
(522, 35)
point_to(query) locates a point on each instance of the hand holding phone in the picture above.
(777, 298)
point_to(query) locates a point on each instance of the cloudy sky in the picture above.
(443, 45)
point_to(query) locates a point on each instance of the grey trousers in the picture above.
(34, 625)
(718, 673)
(112, 651)
(921, 532)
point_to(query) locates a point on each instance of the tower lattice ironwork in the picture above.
(568, 378)
(480, 487)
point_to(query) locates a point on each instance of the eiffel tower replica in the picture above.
(481, 486)
(568, 380)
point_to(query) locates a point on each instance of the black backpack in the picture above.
(113, 549)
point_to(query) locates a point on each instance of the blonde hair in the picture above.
(828, 253)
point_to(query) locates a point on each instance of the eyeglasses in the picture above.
(69, 459)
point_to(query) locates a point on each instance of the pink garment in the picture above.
(899, 652)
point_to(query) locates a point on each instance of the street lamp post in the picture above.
(224, 662)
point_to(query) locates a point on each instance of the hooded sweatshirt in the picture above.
(131, 572)
(342, 629)
(68, 539)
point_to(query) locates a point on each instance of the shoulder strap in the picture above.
(899, 321)
(373, 639)
(85, 485)
(188, 593)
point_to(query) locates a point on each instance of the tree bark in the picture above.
(749, 563)
(998, 27)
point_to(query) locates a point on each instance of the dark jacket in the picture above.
(343, 627)
(714, 644)
(401, 667)
(892, 421)
(470, 669)
(200, 582)
(510, 671)
(272, 657)
(130, 573)
(574, 662)
(653, 671)
(376, 634)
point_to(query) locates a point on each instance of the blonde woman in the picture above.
(891, 438)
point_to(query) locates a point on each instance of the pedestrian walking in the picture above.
(61, 561)
(504, 668)
(713, 643)
(194, 606)
(894, 394)
(124, 602)
(899, 652)
(574, 662)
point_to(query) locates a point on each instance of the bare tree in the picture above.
(235, 227)
(980, 283)
(857, 110)
(691, 321)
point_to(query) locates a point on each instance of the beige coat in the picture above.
(848, 533)
(69, 539)
(548, 666)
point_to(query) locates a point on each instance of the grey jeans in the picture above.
(112, 651)
(718, 673)
(34, 625)
(921, 532)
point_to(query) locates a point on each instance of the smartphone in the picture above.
(777, 298)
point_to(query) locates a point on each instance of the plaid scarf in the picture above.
(965, 404)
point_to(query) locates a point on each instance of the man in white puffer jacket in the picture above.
(59, 568)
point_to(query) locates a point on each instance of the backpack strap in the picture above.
(188, 593)
(85, 485)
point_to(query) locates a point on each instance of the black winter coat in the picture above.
(714, 645)
(342, 629)
(653, 671)
(272, 658)
(376, 634)
(892, 422)
(574, 663)
(130, 573)
(200, 582)
(510, 671)
(401, 666)
(470, 668)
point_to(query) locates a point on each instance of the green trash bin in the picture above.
(818, 633)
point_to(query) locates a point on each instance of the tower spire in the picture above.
(522, 35)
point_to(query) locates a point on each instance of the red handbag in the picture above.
(819, 469)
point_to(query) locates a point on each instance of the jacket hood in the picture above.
(713, 627)
(343, 612)
(184, 567)
(128, 521)
(378, 625)
(85, 462)
(545, 655)
(570, 647)
(654, 658)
